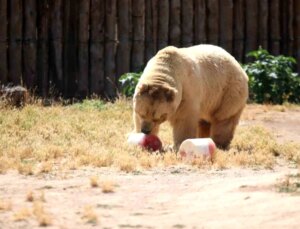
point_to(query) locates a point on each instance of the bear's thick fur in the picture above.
(201, 90)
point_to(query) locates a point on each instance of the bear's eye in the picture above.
(161, 119)
(141, 115)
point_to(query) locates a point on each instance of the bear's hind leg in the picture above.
(203, 129)
(222, 131)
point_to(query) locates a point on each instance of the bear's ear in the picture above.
(169, 94)
(144, 89)
(158, 92)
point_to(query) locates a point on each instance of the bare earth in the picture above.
(174, 197)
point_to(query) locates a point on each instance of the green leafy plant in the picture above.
(128, 82)
(271, 78)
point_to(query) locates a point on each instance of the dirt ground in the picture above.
(173, 197)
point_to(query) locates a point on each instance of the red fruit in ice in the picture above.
(151, 142)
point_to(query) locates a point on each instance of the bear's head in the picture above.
(153, 104)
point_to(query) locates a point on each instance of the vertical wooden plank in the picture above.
(251, 25)
(15, 41)
(83, 49)
(70, 48)
(213, 22)
(200, 22)
(110, 49)
(42, 47)
(283, 5)
(124, 33)
(226, 24)
(290, 27)
(97, 47)
(150, 28)
(239, 28)
(3, 42)
(174, 27)
(56, 45)
(138, 24)
(155, 23)
(29, 44)
(263, 15)
(297, 32)
(274, 27)
(187, 24)
(163, 24)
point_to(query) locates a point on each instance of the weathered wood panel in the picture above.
(275, 35)
(3, 42)
(238, 31)
(200, 32)
(138, 45)
(174, 26)
(29, 44)
(297, 32)
(213, 22)
(150, 28)
(163, 24)
(187, 23)
(43, 48)
(56, 45)
(97, 47)
(251, 25)
(15, 41)
(70, 48)
(83, 49)
(124, 37)
(263, 16)
(283, 26)
(226, 24)
(290, 24)
(110, 49)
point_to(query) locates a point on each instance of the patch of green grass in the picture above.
(93, 104)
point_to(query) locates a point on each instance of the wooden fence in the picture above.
(81, 47)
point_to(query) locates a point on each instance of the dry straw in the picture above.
(38, 139)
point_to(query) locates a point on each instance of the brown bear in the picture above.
(201, 90)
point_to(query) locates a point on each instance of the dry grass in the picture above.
(30, 196)
(22, 214)
(108, 186)
(5, 205)
(43, 217)
(41, 139)
(94, 181)
(89, 215)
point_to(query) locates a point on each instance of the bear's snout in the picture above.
(146, 127)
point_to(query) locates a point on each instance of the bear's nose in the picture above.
(146, 127)
(146, 131)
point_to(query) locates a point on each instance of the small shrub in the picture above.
(271, 78)
(128, 82)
